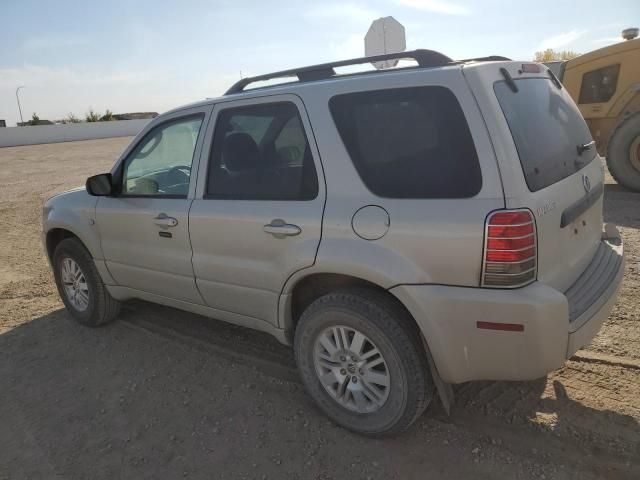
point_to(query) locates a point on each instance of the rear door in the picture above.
(548, 163)
(257, 214)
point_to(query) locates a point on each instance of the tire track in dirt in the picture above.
(589, 408)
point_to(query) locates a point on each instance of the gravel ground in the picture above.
(160, 394)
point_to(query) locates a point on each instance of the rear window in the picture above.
(409, 142)
(547, 128)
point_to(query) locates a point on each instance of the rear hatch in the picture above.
(548, 163)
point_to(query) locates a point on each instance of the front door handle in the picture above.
(164, 221)
(280, 229)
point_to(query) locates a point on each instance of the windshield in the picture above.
(547, 128)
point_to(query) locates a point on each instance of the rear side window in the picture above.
(599, 85)
(547, 128)
(261, 152)
(409, 142)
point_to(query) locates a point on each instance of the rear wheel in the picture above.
(623, 153)
(362, 361)
(80, 286)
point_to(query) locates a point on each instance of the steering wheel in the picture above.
(176, 178)
(178, 174)
(180, 168)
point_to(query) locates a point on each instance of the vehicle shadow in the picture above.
(621, 206)
(554, 408)
(130, 402)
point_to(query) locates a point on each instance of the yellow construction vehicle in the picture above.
(605, 83)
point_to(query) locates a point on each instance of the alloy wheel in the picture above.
(74, 284)
(352, 369)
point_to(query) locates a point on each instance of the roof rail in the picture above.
(490, 58)
(424, 58)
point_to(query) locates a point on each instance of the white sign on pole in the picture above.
(385, 35)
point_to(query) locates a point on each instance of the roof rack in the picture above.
(424, 58)
(490, 58)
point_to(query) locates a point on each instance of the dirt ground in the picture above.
(165, 394)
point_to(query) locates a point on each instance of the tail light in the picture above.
(509, 249)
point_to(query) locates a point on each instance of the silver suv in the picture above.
(404, 229)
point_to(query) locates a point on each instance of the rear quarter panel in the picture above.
(428, 240)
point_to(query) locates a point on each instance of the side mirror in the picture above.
(100, 185)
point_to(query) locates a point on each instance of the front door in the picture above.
(144, 229)
(257, 215)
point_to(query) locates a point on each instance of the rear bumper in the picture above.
(594, 294)
(556, 324)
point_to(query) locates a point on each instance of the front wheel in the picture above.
(80, 286)
(362, 361)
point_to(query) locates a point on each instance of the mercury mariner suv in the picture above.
(403, 229)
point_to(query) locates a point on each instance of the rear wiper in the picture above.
(584, 147)
(554, 79)
(509, 79)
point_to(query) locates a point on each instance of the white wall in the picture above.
(32, 135)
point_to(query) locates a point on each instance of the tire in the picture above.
(387, 327)
(624, 164)
(101, 308)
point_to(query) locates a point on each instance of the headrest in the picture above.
(240, 152)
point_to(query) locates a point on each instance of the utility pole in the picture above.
(18, 99)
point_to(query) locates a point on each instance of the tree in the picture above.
(35, 119)
(107, 117)
(92, 116)
(550, 55)
(71, 118)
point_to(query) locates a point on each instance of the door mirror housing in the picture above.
(100, 185)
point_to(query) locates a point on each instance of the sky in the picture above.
(143, 55)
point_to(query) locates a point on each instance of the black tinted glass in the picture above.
(546, 127)
(599, 85)
(261, 153)
(409, 142)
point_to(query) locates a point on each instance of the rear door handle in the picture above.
(280, 229)
(165, 221)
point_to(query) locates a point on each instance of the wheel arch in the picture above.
(308, 288)
(55, 236)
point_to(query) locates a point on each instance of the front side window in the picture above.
(409, 142)
(261, 152)
(160, 165)
(598, 86)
